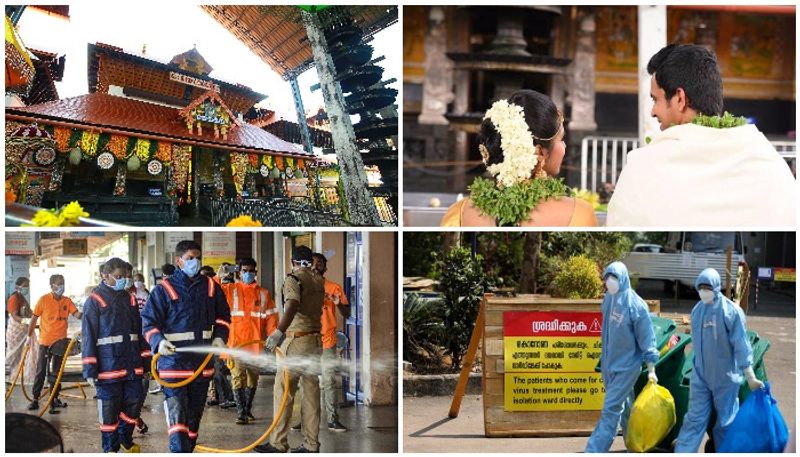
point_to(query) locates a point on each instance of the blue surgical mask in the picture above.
(59, 291)
(248, 277)
(25, 291)
(119, 285)
(191, 267)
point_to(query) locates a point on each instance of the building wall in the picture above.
(616, 113)
(757, 63)
(380, 328)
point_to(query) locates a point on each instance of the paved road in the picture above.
(426, 427)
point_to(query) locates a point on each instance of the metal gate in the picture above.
(354, 288)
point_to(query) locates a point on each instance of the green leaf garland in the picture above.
(75, 138)
(513, 205)
(727, 120)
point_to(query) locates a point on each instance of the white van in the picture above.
(685, 255)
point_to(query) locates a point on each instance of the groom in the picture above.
(690, 175)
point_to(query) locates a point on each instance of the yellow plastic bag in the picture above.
(652, 417)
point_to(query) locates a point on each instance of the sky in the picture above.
(168, 29)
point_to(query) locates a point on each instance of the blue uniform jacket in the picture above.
(187, 312)
(111, 330)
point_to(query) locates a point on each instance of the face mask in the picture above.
(25, 291)
(138, 284)
(248, 277)
(59, 291)
(707, 296)
(119, 285)
(612, 284)
(191, 267)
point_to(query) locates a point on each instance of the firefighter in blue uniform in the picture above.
(187, 309)
(111, 356)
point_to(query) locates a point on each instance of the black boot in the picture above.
(241, 405)
(251, 394)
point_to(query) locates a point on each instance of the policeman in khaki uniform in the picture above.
(298, 335)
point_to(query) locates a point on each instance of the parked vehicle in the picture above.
(685, 255)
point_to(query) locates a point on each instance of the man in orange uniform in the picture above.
(53, 309)
(253, 317)
(334, 298)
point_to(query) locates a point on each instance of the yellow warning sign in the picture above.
(553, 391)
(551, 354)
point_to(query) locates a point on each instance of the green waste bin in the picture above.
(663, 329)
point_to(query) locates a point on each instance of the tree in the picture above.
(420, 250)
(462, 283)
(530, 262)
(502, 254)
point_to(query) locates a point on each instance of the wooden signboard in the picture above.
(75, 246)
(539, 355)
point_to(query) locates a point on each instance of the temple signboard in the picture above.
(192, 81)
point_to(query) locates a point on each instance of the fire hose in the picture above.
(20, 376)
(54, 388)
(194, 376)
(19, 371)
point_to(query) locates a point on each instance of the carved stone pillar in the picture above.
(510, 38)
(437, 88)
(582, 96)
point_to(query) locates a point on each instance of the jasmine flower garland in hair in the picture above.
(516, 141)
(511, 205)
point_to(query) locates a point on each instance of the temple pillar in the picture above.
(652, 22)
(437, 87)
(301, 115)
(351, 168)
(582, 96)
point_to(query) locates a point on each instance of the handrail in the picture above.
(611, 152)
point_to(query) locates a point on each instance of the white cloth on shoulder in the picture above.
(694, 176)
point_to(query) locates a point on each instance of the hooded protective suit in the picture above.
(721, 352)
(628, 341)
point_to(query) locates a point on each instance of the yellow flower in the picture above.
(244, 220)
(72, 212)
(591, 197)
(46, 218)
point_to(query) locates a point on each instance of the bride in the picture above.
(521, 142)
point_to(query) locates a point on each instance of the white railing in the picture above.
(613, 152)
(610, 153)
(787, 150)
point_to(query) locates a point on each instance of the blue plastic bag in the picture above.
(758, 426)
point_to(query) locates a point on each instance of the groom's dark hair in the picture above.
(694, 69)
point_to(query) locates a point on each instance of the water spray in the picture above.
(241, 355)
